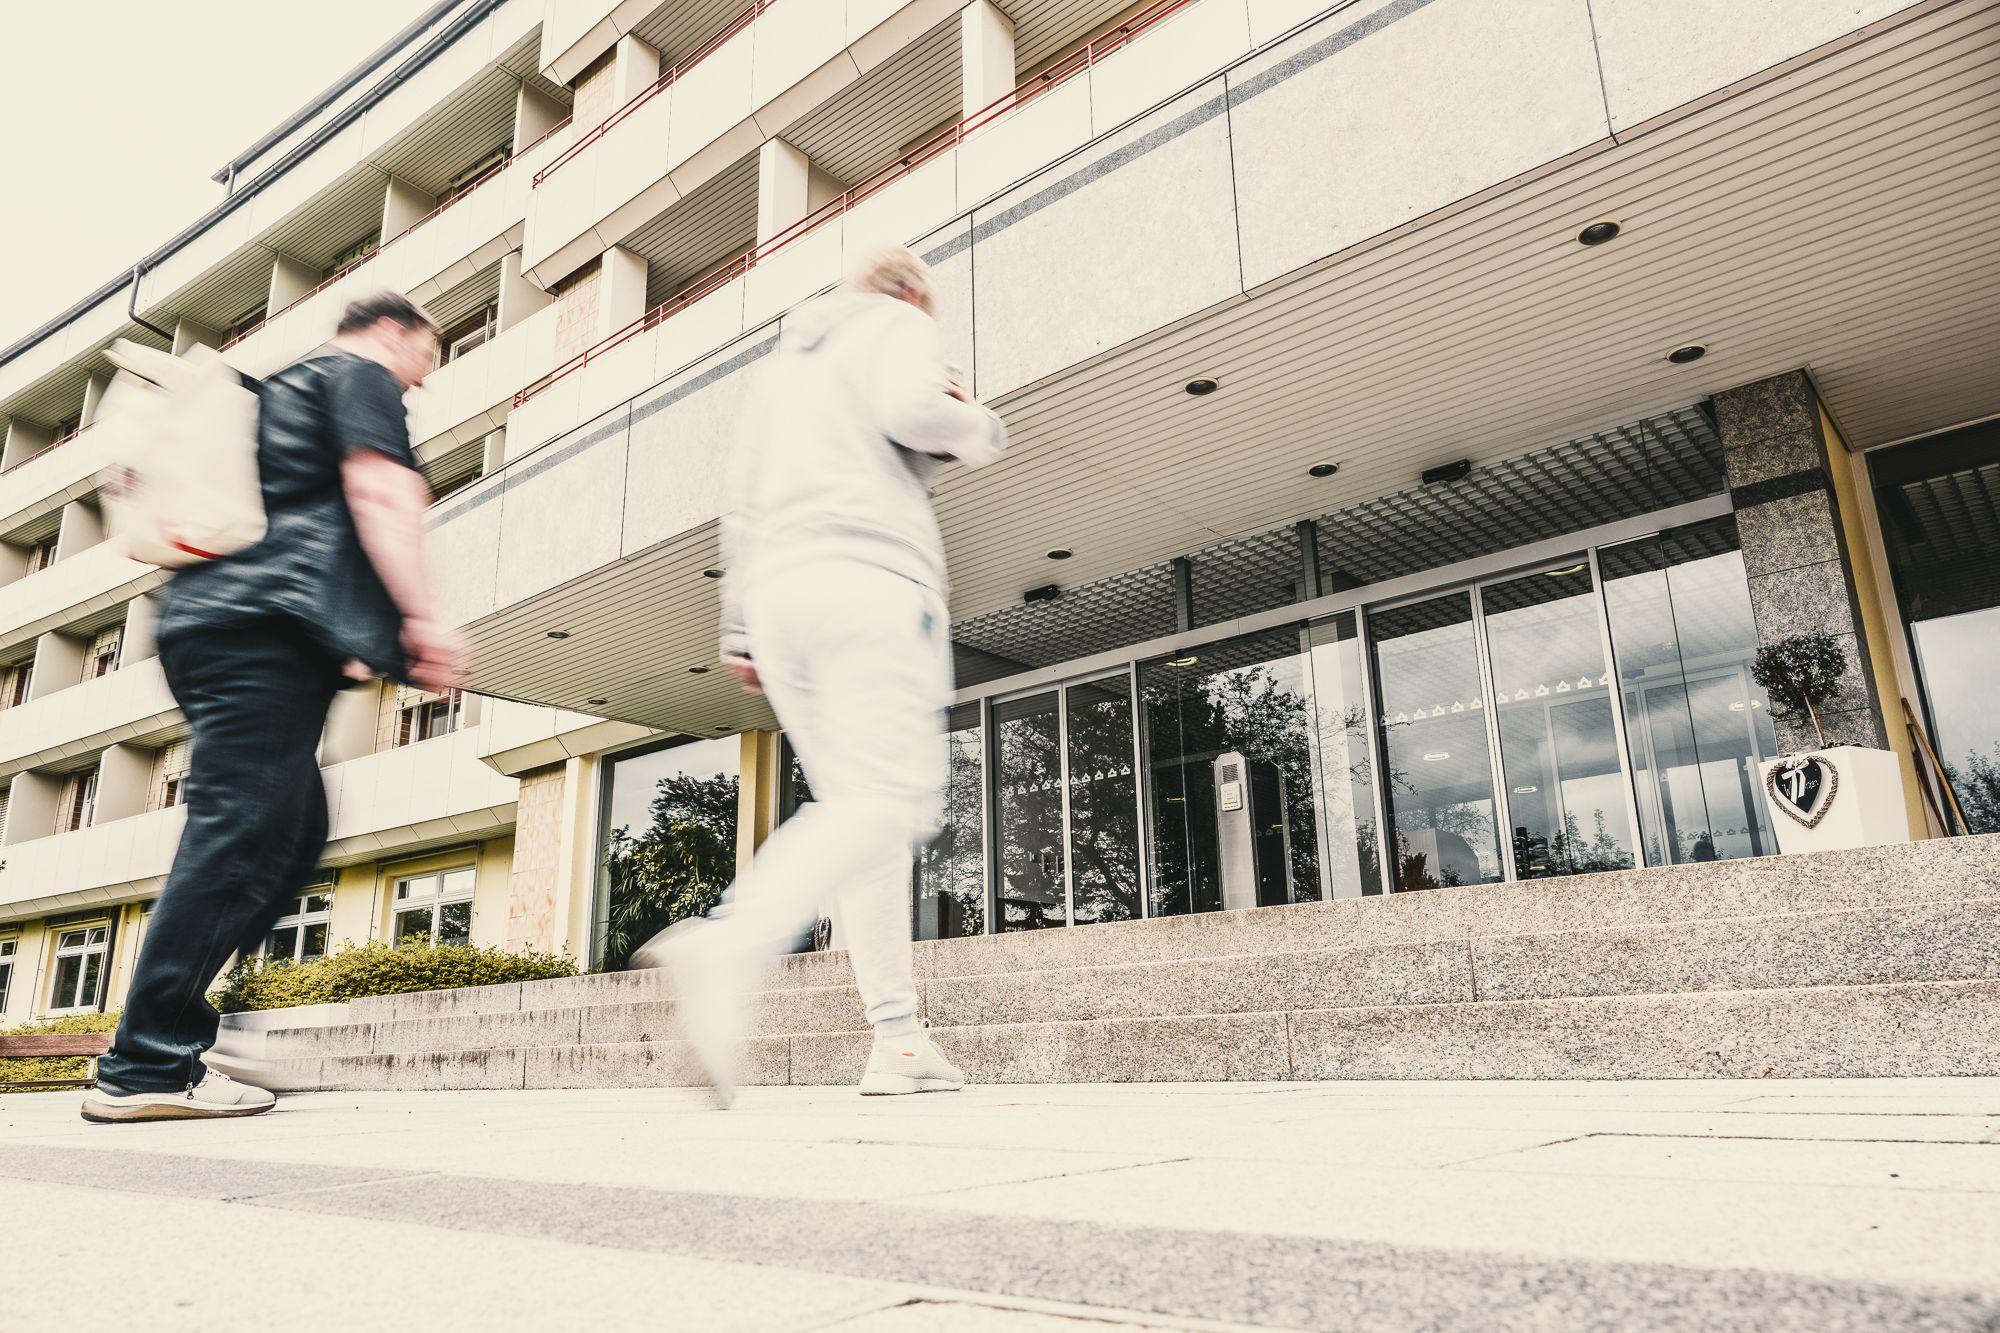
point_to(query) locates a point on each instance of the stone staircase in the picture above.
(1877, 962)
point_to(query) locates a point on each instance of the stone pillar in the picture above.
(986, 55)
(539, 842)
(142, 615)
(124, 780)
(58, 664)
(535, 114)
(402, 204)
(1795, 548)
(82, 528)
(24, 440)
(789, 187)
(290, 280)
(93, 396)
(758, 792)
(519, 298)
(622, 298)
(31, 806)
(187, 333)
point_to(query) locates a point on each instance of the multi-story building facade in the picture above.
(1421, 412)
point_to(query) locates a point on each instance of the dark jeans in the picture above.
(256, 699)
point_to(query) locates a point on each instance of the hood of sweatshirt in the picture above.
(813, 323)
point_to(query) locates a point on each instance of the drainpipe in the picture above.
(132, 307)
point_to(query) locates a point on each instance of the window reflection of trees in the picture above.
(677, 868)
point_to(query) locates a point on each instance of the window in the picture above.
(299, 936)
(356, 252)
(41, 555)
(79, 983)
(472, 331)
(427, 718)
(102, 658)
(243, 323)
(476, 173)
(79, 802)
(170, 772)
(7, 947)
(435, 907)
(19, 680)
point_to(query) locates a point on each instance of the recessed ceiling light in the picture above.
(1202, 386)
(1527, 790)
(697, 671)
(1443, 472)
(1187, 661)
(596, 703)
(1436, 755)
(1322, 469)
(711, 573)
(1566, 571)
(1599, 231)
(1681, 356)
(558, 634)
(1060, 553)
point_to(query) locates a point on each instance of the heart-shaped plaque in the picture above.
(1803, 787)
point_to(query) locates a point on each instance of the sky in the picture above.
(118, 111)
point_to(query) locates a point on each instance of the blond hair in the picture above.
(895, 271)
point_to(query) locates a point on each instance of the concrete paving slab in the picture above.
(1387, 1206)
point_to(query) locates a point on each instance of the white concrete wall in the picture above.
(416, 793)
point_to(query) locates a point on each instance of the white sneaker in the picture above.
(710, 987)
(907, 1063)
(216, 1097)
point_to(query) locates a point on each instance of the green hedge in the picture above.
(67, 1066)
(380, 969)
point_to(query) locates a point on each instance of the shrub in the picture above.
(1801, 674)
(377, 968)
(61, 1067)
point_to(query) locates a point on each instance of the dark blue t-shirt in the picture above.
(309, 569)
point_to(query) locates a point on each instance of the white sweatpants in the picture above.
(856, 663)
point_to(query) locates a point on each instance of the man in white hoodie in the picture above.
(834, 606)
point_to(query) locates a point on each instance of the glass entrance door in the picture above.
(1500, 733)
(1066, 808)
(1437, 759)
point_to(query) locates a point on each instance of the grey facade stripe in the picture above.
(1803, 482)
(1288, 1281)
(1233, 94)
(632, 417)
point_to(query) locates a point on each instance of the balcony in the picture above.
(772, 61)
(130, 703)
(432, 792)
(110, 862)
(49, 479)
(89, 581)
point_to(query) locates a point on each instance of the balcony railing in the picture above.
(1077, 62)
(482, 178)
(743, 19)
(54, 445)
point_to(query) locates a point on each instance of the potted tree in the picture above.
(1829, 796)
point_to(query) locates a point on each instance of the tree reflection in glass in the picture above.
(951, 870)
(1230, 776)
(683, 801)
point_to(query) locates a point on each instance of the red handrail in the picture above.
(353, 264)
(743, 19)
(1061, 71)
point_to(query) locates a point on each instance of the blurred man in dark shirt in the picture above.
(255, 646)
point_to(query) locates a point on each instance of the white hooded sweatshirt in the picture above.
(842, 434)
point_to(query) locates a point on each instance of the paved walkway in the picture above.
(1810, 1205)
